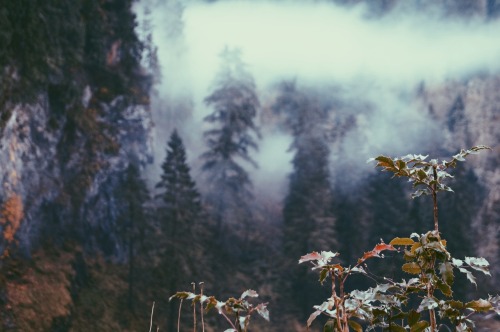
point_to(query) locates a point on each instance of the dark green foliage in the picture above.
(180, 213)
(308, 218)
(229, 141)
(134, 224)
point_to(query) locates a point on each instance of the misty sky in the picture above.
(376, 61)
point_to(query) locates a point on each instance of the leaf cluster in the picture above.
(240, 308)
(391, 304)
(428, 174)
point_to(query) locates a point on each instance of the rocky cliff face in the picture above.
(74, 114)
(468, 112)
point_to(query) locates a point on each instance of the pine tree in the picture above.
(229, 141)
(134, 224)
(309, 223)
(180, 212)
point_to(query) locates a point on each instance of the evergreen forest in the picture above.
(150, 147)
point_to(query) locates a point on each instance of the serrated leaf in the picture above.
(446, 271)
(182, 295)
(263, 311)
(402, 241)
(384, 161)
(211, 303)
(358, 269)
(314, 256)
(479, 264)
(444, 288)
(355, 326)
(400, 164)
(419, 326)
(412, 268)
(479, 305)
(421, 174)
(455, 304)
(469, 275)
(427, 303)
(415, 247)
(420, 192)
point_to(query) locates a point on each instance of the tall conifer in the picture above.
(229, 140)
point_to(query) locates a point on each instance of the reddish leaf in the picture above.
(314, 256)
(382, 246)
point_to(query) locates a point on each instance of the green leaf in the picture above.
(329, 326)
(422, 175)
(400, 164)
(412, 268)
(322, 275)
(455, 304)
(384, 161)
(419, 326)
(402, 241)
(413, 317)
(446, 271)
(444, 288)
(396, 328)
(479, 305)
(355, 326)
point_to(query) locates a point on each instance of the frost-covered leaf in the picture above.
(249, 293)
(242, 320)
(313, 317)
(479, 305)
(479, 264)
(469, 275)
(182, 296)
(358, 269)
(457, 262)
(446, 271)
(314, 256)
(322, 258)
(263, 311)
(420, 192)
(427, 303)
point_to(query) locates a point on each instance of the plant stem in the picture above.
(194, 308)
(434, 199)
(179, 317)
(201, 308)
(151, 320)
